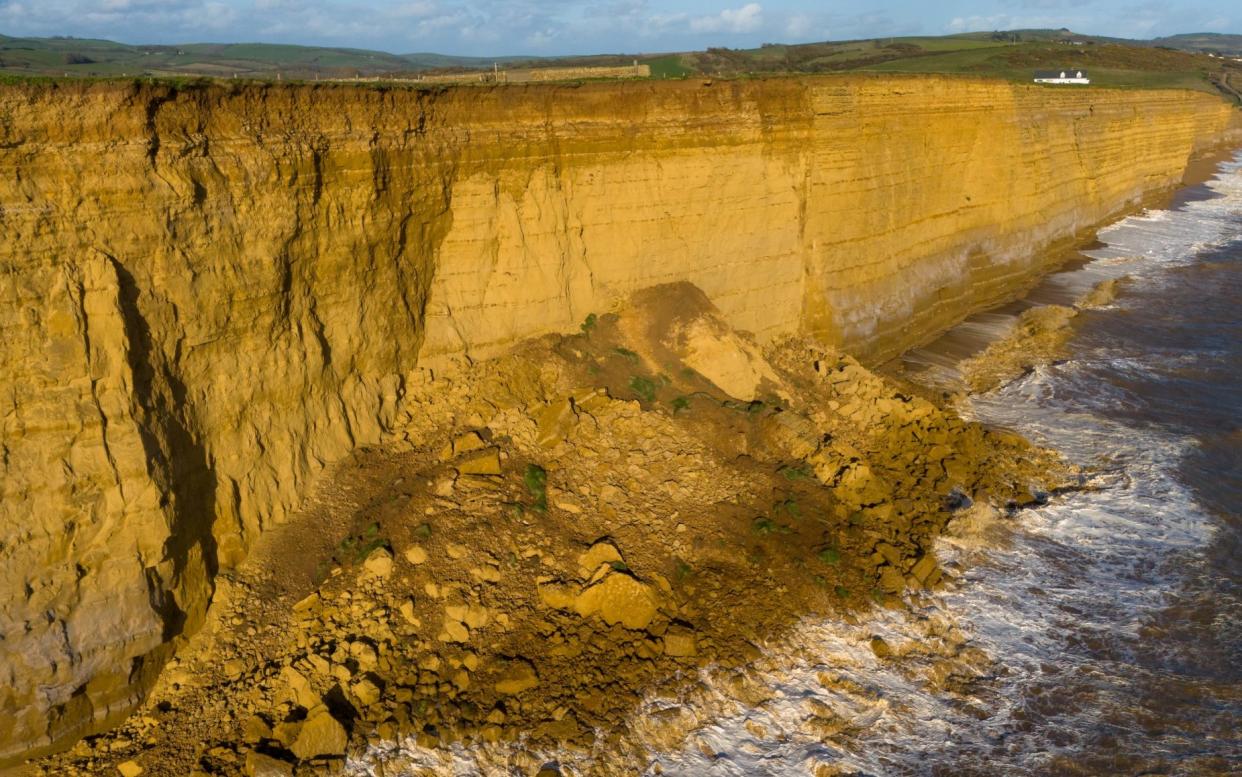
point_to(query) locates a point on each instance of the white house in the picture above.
(1063, 76)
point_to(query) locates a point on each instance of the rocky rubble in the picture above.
(561, 533)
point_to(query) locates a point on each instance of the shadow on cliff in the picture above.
(180, 586)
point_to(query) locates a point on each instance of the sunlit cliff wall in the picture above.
(207, 294)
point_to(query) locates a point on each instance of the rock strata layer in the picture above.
(210, 293)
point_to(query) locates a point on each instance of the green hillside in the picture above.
(1199, 61)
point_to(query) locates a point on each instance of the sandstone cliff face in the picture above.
(208, 294)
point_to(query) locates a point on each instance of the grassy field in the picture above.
(1010, 55)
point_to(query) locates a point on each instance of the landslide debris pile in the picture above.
(559, 533)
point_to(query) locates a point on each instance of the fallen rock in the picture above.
(298, 688)
(679, 642)
(619, 598)
(454, 631)
(415, 555)
(554, 422)
(378, 563)
(465, 443)
(602, 552)
(262, 765)
(559, 597)
(321, 734)
(486, 463)
(515, 677)
(129, 768)
(923, 568)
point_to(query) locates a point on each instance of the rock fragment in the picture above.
(517, 676)
(485, 463)
(619, 598)
(320, 735)
(262, 765)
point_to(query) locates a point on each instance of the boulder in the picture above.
(619, 598)
(486, 463)
(378, 564)
(262, 765)
(320, 735)
(129, 769)
(554, 422)
(515, 677)
(602, 552)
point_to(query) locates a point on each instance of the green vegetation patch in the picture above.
(536, 480)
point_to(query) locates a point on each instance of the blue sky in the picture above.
(486, 27)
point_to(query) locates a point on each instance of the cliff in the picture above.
(208, 294)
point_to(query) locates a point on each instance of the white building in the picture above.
(1063, 76)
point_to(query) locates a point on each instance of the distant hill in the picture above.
(1214, 42)
(102, 58)
(1178, 61)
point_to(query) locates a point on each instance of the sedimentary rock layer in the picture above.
(209, 293)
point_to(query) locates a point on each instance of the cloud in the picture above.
(748, 18)
(1009, 22)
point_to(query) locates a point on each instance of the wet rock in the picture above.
(320, 735)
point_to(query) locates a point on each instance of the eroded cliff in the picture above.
(210, 293)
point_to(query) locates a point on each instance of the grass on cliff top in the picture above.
(1010, 56)
(1107, 65)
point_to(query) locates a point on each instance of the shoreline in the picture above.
(1068, 257)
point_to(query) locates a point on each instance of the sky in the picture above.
(498, 27)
